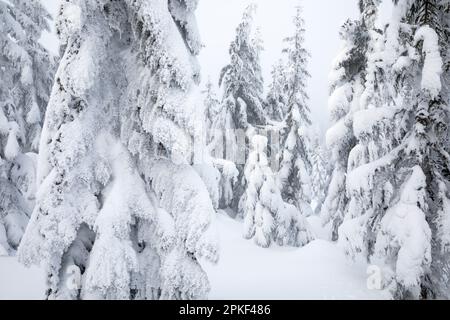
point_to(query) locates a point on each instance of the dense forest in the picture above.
(116, 160)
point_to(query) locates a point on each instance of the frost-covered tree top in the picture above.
(242, 105)
(26, 75)
(119, 203)
(242, 80)
(277, 97)
(288, 88)
(297, 73)
(296, 154)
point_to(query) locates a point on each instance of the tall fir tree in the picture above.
(347, 80)
(295, 160)
(372, 129)
(119, 204)
(275, 206)
(320, 171)
(277, 97)
(242, 79)
(212, 110)
(242, 103)
(26, 77)
(416, 52)
(398, 173)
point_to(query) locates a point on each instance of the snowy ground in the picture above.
(317, 271)
(18, 282)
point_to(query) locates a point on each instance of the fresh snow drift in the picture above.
(318, 270)
(18, 282)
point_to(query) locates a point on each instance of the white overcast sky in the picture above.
(218, 19)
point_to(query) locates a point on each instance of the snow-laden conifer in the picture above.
(119, 201)
(26, 77)
(242, 103)
(347, 80)
(267, 218)
(398, 177)
(296, 154)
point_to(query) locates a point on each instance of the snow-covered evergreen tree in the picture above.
(295, 161)
(416, 50)
(119, 200)
(369, 145)
(320, 172)
(212, 109)
(26, 77)
(226, 173)
(398, 174)
(277, 97)
(267, 218)
(242, 80)
(347, 79)
(242, 102)
(261, 202)
(228, 180)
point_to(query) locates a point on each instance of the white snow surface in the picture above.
(319, 270)
(19, 282)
